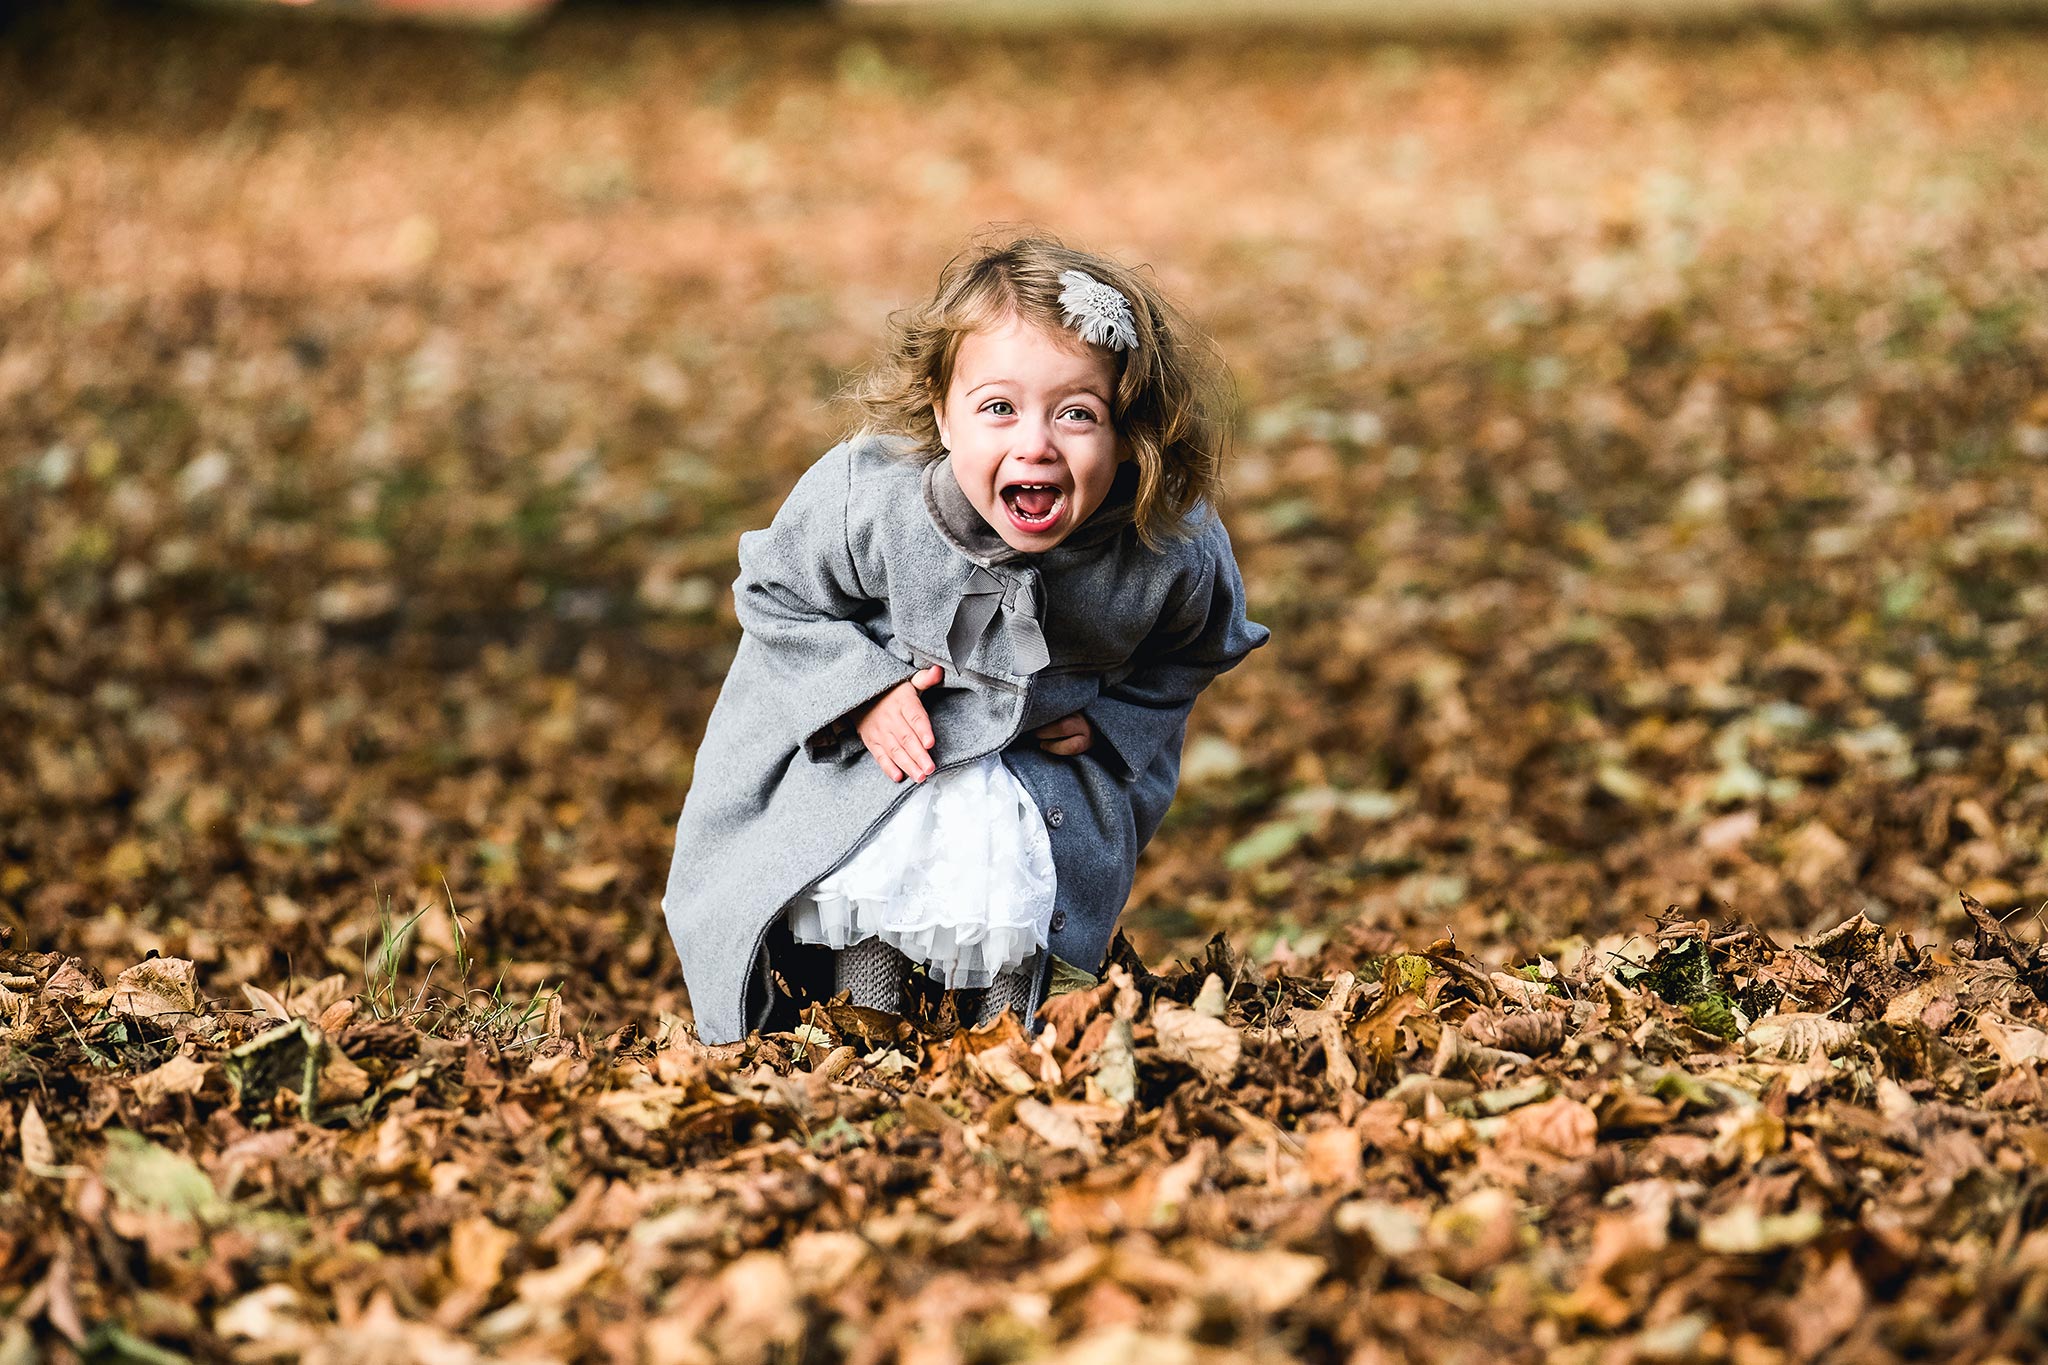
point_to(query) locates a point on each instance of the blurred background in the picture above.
(1642, 457)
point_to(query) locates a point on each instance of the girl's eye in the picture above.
(994, 404)
(1083, 413)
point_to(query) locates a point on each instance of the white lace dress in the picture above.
(959, 877)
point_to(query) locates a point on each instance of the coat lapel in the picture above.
(1001, 595)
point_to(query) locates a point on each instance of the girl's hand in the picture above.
(1067, 736)
(897, 731)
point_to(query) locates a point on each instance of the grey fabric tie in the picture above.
(989, 604)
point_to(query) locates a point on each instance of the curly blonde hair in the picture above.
(1171, 405)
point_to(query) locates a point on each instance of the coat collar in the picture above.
(968, 532)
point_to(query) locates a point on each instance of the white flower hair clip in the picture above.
(1100, 313)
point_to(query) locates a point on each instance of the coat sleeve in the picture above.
(798, 598)
(1202, 633)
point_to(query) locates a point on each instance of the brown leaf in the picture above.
(62, 1308)
(1561, 1128)
(820, 1262)
(273, 1315)
(1001, 1066)
(1265, 1282)
(2014, 1044)
(1532, 1033)
(341, 1080)
(477, 1248)
(268, 1004)
(1826, 1306)
(38, 1152)
(1476, 1233)
(1209, 1045)
(1795, 1037)
(1333, 1156)
(181, 1075)
(759, 1312)
(157, 987)
(1748, 1230)
(587, 879)
(554, 1287)
(1058, 1127)
(1931, 1003)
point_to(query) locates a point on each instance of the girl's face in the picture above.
(1025, 422)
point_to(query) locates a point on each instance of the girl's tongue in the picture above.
(1035, 501)
(1033, 507)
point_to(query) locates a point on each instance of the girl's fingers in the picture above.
(912, 758)
(915, 725)
(1062, 733)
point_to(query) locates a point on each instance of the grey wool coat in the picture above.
(875, 567)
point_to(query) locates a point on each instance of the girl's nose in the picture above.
(1034, 440)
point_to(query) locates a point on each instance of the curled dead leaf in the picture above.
(274, 1315)
(181, 1075)
(554, 1287)
(820, 1262)
(38, 1152)
(266, 1003)
(1000, 1065)
(1562, 1128)
(154, 988)
(1058, 1127)
(1748, 1230)
(2014, 1044)
(1795, 1037)
(477, 1248)
(759, 1313)
(1475, 1233)
(1392, 1230)
(1266, 1282)
(1209, 1045)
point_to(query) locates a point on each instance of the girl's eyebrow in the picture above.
(990, 383)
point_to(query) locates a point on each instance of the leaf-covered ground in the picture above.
(1643, 472)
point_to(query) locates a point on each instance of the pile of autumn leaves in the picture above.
(1690, 1145)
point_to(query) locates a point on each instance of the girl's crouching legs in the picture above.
(872, 973)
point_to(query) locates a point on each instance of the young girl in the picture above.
(972, 637)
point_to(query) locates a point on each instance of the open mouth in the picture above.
(1034, 507)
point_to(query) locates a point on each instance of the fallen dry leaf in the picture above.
(1058, 1127)
(181, 1075)
(1209, 1045)
(161, 986)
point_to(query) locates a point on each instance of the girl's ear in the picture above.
(939, 419)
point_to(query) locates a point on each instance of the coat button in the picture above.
(1055, 817)
(1059, 920)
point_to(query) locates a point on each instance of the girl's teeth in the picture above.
(1027, 520)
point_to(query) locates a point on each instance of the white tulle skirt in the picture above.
(959, 877)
